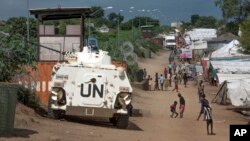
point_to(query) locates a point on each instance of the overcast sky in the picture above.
(168, 10)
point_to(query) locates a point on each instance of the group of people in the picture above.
(171, 73)
(181, 107)
(178, 73)
(206, 109)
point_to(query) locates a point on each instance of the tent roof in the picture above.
(231, 49)
(202, 33)
(232, 77)
(230, 67)
(227, 37)
(198, 45)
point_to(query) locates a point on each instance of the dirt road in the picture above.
(154, 125)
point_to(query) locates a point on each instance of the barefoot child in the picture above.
(173, 109)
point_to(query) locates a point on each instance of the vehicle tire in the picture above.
(53, 114)
(113, 121)
(122, 121)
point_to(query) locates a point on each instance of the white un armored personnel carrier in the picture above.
(89, 85)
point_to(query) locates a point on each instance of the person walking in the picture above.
(173, 110)
(161, 81)
(150, 82)
(180, 76)
(144, 73)
(156, 87)
(182, 104)
(170, 80)
(165, 72)
(185, 79)
(204, 103)
(166, 81)
(176, 83)
(200, 90)
(174, 68)
(170, 68)
(209, 119)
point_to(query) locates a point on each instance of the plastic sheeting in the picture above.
(239, 92)
(231, 49)
(198, 45)
(232, 66)
(202, 33)
(231, 77)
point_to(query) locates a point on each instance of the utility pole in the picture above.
(118, 25)
(89, 26)
(92, 14)
(28, 23)
(133, 28)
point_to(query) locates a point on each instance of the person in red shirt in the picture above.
(173, 109)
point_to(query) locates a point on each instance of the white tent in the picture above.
(231, 77)
(231, 49)
(236, 92)
(198, 45)
(202, 33)
(230, 67)
(239, 92)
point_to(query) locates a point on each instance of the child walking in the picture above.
(173, 109)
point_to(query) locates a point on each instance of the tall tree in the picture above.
(17, 25)
(194, 18)
(98, 12)
(206, 22)
(114, 18)
(245, 35)
(234, 9)
(15, 54)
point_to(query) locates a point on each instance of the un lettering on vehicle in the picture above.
(92, 90)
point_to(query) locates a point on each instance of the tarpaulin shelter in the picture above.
(230, 51)
(236, 92)
(202, 33)
(232, 67)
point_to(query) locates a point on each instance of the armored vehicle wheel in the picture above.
(113, 121)
(122, 121)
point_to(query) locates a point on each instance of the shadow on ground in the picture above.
(100, 122)
(17, 132)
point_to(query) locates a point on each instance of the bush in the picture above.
(28, 98)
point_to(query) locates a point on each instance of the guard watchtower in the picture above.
(147, 31)
(51, 42)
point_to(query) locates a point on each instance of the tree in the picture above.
(234, 9)
(126, 26)
(206, 22)
(114, 18)
(15, 54)
(98, 12)
(194, 19)
(245, 35)
(17, 25)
